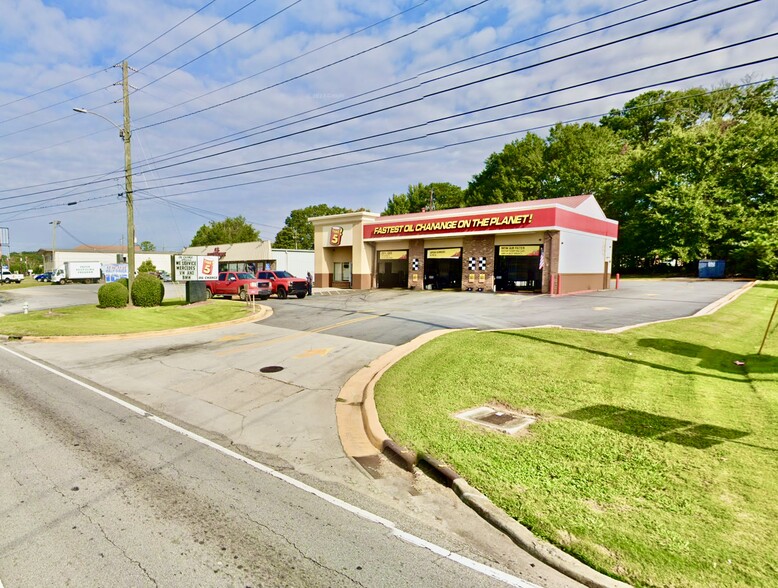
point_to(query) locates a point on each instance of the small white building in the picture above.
(106, 254)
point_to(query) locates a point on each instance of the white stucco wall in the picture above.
(297, 262)
(582, 253)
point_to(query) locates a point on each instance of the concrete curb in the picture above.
(366, 379)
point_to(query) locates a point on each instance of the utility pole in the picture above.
(125, 134)
(128, 181)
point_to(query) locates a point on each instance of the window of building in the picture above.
(342, 271)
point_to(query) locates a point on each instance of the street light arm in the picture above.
(85, 111)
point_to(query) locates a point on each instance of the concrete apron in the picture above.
(212, 380)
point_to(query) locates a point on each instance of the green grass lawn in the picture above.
(91, 320)
(654, 457)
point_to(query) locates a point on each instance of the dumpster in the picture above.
(711, 268)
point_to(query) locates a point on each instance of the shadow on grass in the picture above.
(646, 424)
(717, 359)
(631, 360)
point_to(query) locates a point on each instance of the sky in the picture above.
(256, 108)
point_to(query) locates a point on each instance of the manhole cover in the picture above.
(270, 369)
(498, 419)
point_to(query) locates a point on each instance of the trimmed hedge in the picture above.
(113, 295)
(147, 290)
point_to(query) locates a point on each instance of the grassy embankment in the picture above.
(655, 453)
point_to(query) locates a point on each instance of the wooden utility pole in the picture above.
(126, 134)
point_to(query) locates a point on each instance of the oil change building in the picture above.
(557, 246)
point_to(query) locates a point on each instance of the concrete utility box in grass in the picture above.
(196, 292)
(711, 268)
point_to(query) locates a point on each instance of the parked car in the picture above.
(164, 276)
(284, 283)
(7, 277)
(238, 283)
(44, 277)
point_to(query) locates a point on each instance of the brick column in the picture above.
(416, 252)
(478, 246)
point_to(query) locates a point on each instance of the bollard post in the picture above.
(26, 308)
(617, 280)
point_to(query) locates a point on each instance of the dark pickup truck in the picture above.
(238, 284)
(285, 284)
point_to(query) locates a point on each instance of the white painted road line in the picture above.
(361, 513)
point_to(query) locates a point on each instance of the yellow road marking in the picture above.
(228, 338)
(314, 352)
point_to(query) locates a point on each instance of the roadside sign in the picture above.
(115, 271)
(195, 267)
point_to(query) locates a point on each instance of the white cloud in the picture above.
(43, 141)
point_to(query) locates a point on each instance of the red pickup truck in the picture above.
(238, 284)
(284, 283)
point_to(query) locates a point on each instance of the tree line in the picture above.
(689, 175)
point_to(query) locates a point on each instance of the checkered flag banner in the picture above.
(415, 264)
(476, 263)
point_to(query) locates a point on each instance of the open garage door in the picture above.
(518, 268)
(393, 269)
(443, 268)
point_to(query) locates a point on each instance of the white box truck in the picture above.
(85, 272)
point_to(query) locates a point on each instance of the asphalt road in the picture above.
(97, 494)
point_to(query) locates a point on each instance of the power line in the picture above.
(323, 67)
(394, 106)
(457, 87)
(449, 145)
(63, 84)
(526, 39)
(208, 93)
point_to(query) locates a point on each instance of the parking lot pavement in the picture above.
(394, 317)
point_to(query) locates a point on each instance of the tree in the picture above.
(147, 246)
(230, 230)
(298, 230)
(146, 267)
(580, 159)
(437, 196)
(514, 174)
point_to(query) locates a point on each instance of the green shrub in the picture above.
(113, 295)
(147, 290)
(146, 267)
(124, 281)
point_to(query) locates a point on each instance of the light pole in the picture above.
(53, 224)
(124, 133)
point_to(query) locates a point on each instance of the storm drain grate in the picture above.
(497, 418)
(270, 369)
